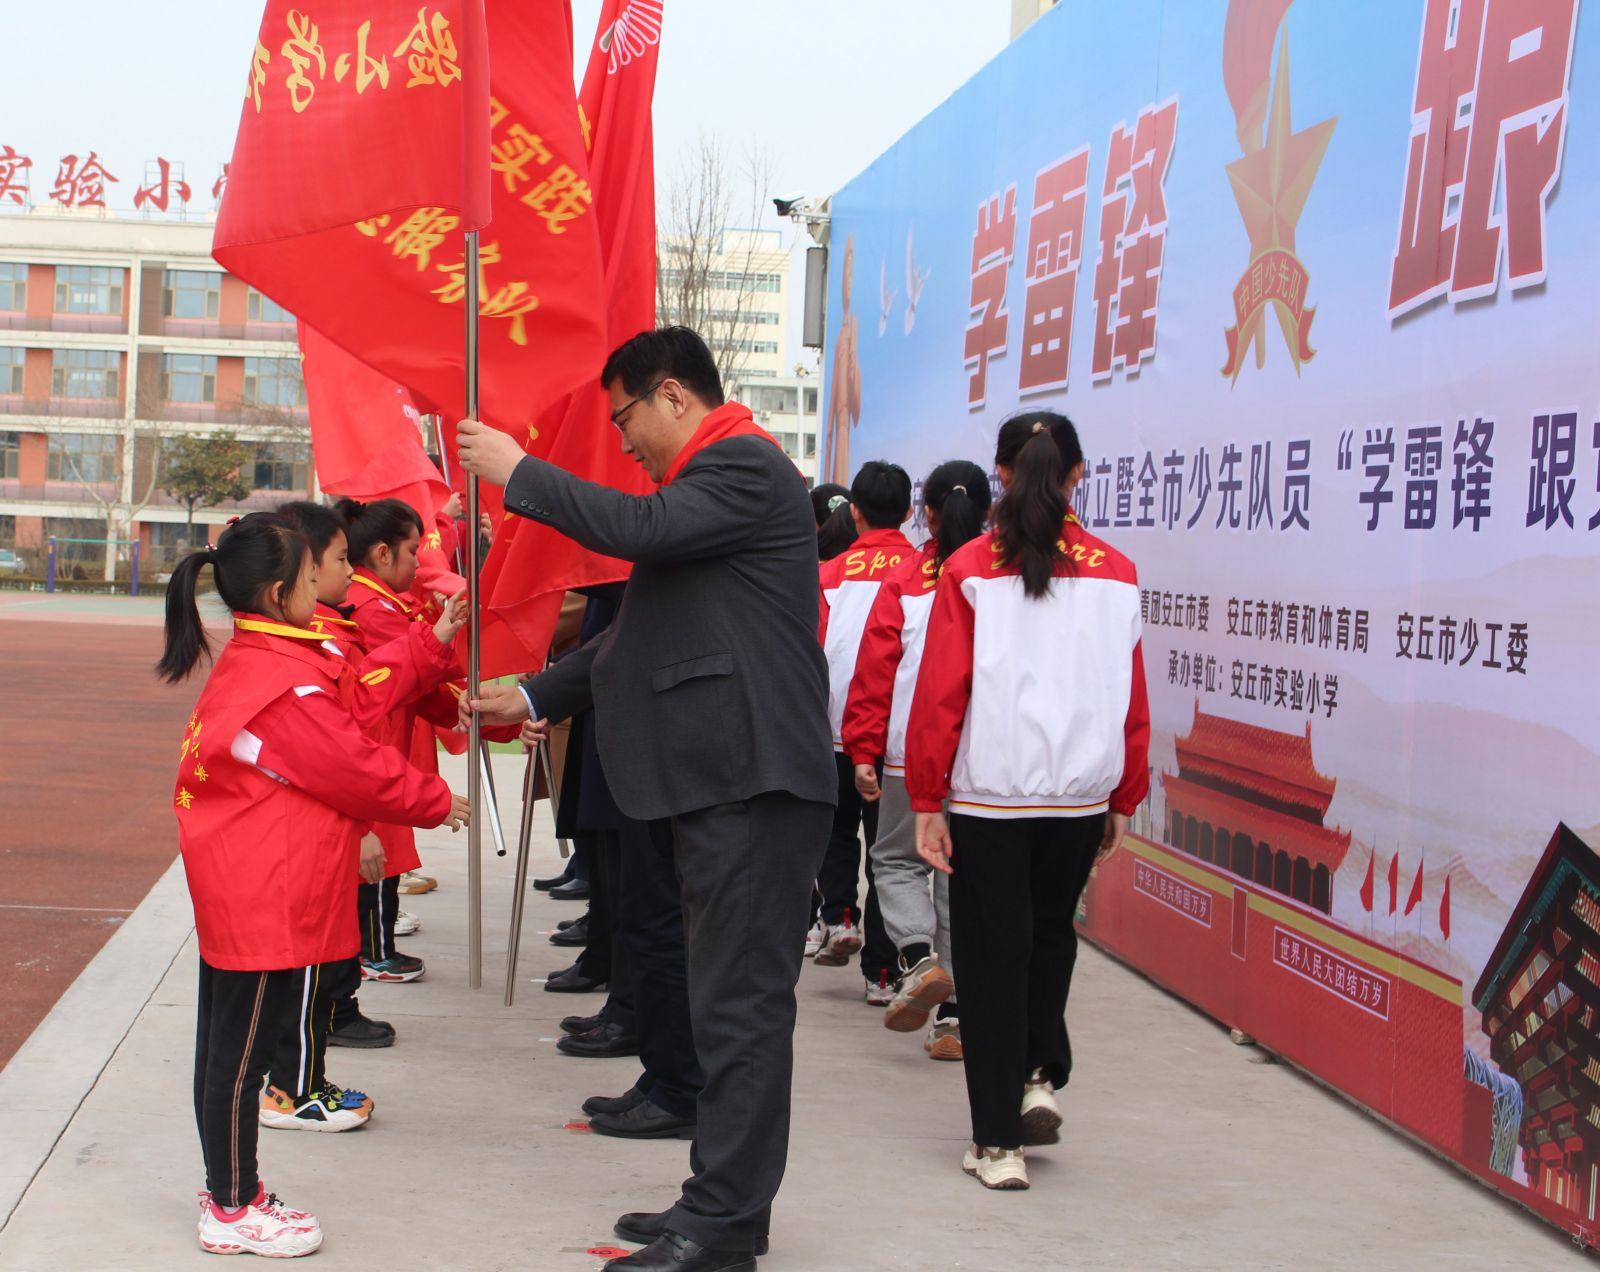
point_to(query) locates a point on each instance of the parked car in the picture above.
(11, 563)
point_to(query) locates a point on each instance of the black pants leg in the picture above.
(344, 979)
(1013, 891)
(604, 914)
(595, 960)
(880, 959)
(650, 917)
(746, 871)
(237, 1032)
(839, 878)
(299, 1063)
(377, 904)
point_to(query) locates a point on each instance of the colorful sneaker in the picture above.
(944, 1040)
(1041, 1115)
(922, 989)
(414, 882)
(350, 1098)
(319, 1111)
(263, 1227)
(842, 941)
(264, 1198)
(405, 923)
(880, 993)
(816, 938)
(1001, 1168)
(397, 967)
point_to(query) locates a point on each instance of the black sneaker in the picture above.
(362, 1032)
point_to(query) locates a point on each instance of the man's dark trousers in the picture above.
(650, 923)
(746, 871)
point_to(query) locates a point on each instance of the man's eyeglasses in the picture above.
(621, 412)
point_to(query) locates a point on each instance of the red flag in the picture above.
(368, 144)
(1414, 897)
(1394, 880)
(1366, 887)
(531, 565)
(1444, 909)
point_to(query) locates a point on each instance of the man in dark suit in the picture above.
(710, 697)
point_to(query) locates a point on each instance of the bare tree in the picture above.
(707, 272)
(111, 508)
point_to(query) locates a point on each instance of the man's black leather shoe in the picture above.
(563, 924)
(615, 1104)
(361, 1032)
(644, 1226)
(577, 934)
(569, 980)
(554, 881)
(603, 1043)
(645, 1120)
(673, 1253)
(581, 1024)
(571, 890)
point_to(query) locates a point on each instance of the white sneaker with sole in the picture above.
(1041, 1115)
(319, 1111)
(1001, 1168)
(880, 993)
(843, 940)
(263, 1227)
(922, 989)
(302, 1217)
(406, 923)
(816, 938)
(944, 1040)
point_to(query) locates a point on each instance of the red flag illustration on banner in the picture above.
(367, 145)
(1366, 887)
(1414, 897)
(1394, 880)
(1444, 909)
(530, 565)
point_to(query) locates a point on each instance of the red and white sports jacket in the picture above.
(275, 782)
(394, 674)
(850, 584)
(1032, 708)
(879, 703)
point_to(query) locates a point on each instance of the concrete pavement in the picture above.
(1180, 1149)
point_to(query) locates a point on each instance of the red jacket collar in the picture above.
(379, 588)
(731, 419)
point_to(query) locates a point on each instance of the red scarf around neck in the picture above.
(731, 419)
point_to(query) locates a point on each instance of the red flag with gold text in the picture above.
(531, 566)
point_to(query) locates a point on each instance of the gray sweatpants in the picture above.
(911, 916)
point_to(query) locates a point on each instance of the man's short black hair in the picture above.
(881, 493)
(668, 353)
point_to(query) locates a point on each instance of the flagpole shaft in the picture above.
(520, 892)
(475, 728)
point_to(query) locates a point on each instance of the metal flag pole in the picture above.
(475, 785)
(519, 891)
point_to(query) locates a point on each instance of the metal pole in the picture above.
(519, 892)
(136, 567)
(50, 578)
(492, 802)
(475, 728)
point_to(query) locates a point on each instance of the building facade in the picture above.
(1024, 13)
(787, 407)
(118, 335)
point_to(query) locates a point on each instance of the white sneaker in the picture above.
(922, 989)
(1001, 1168)
(319, 1111)
(406, 923)
(1041, 1115)
(944, 1040)
(880, 993)
(816, 938)
(843, 940)
(263, 1227)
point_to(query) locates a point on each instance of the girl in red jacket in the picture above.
(274, 781)
(955, 502)
(1030, 718)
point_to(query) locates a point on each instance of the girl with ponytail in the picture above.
(275, 782)
(955, 503)
(1030, 725)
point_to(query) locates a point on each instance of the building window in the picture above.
(86, 457)
(778, 400)
(10, 456)
(811, 401)
(13, 287)
(12, 361)
(84, 373)
(283, 466)
(170, 537)
(811, 445)
(189, 377)
(261, 308)
(274, 382)
(190, 293)
(88, 289)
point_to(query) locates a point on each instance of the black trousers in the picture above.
(237, 1032)
(1014, 889)
(746, 871)
(599, 956)
(839, 879)
(299, 1062)
(378, 904)
(650, 921)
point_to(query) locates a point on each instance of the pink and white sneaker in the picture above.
(265, 1227)
(264, 1198)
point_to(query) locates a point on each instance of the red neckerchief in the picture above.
(731, 419)
(382, 589)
